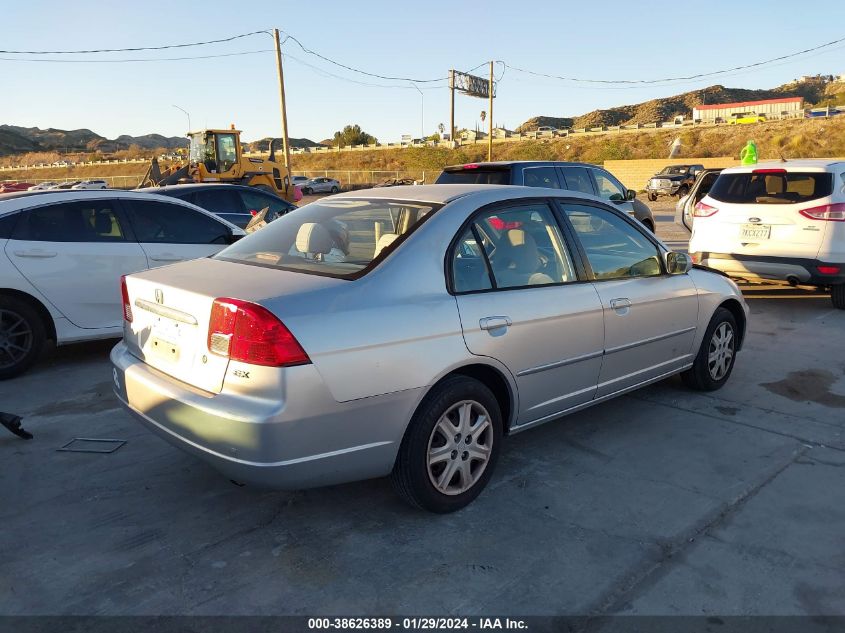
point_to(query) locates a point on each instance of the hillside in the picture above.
(264, 144)
(814, 91)
(15, 139)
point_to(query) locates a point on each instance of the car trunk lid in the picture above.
(171, 311)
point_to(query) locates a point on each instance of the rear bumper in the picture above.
(788, 269)
(302, 439)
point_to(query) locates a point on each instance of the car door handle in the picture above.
(493, 322)
(167, 258)
(36, 252)
(621, 305)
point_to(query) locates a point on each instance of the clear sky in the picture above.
(610, 39)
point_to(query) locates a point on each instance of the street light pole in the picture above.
(188, 114)
(422, 110)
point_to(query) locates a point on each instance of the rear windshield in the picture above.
(771, 188)
(339, 238)
(474, 177)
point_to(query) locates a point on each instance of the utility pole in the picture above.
(282, 106)
(452, 108)
(490, 114)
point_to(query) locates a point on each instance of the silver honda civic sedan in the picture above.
(405, 331)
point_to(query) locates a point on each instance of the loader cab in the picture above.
(215, 152)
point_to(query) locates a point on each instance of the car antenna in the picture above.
(782, 158)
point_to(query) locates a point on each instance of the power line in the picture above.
(135, 49)
(671, 79)
(325, 73)
(288, 36)
(135, 59)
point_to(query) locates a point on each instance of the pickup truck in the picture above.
(674, 180)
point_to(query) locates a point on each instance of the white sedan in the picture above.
(62, 254)
(320, 185)
(91, 184)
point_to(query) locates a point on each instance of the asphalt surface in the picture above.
(661, 502)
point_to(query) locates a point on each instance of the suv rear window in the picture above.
(338, 238)
(474, 177)
(772, 188)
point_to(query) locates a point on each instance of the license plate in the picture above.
(756, 231)
(164, 339)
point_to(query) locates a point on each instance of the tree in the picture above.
(353, 135)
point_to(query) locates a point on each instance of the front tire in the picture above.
(22, 336)
(306, 191)
(682, 192)
(450, 447)
(837, 296)
(335, 189)
(716, 356)
(652, 197)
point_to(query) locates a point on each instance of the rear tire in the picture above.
(22, 335)
(450, 447)
(716, 356)
(837, 296)
(306, 191)
(652, 197)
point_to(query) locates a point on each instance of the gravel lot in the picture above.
(660, 502)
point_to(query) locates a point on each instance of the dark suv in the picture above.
(235, 203)
(581, 177)
(674, 180)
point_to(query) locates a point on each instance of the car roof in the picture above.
(11, 202)
(442, 194)
(805, 164)
(525, 163)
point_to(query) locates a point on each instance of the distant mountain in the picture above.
(813, 90)
(15, 139)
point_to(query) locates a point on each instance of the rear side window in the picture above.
(577, 179)
(91, 221)
(7, 225)
(475, 177)
(541, 177)
(163, 223)
(771, 188)
(218, 201)
(255, 201)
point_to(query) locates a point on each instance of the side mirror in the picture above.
(677, 263)
(630, 194)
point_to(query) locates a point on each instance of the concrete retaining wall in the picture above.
(634, 174)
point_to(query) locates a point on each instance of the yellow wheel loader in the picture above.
(216, 156)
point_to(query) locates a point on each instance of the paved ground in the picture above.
(661, 502)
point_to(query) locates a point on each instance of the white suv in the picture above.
(782, 221)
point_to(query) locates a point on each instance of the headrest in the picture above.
(520, 249)
(102, 222)
(313, 238)
(383, 242)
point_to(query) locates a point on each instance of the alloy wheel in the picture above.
(460, 447)
(16, 338)
(721, 351)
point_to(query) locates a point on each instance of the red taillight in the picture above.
(127, 307)
(703, 210)
(828, 270)
(827, 212)
(250, 333)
